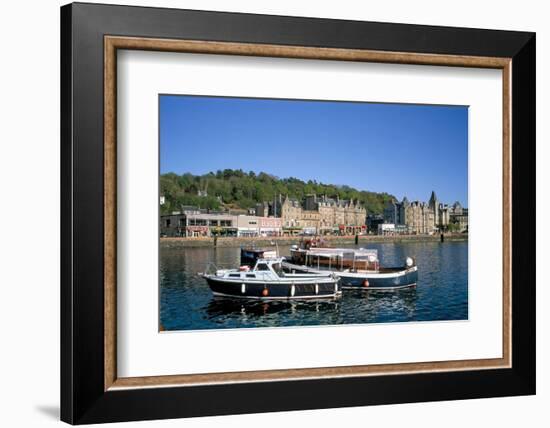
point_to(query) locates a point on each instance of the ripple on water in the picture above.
(186, 302)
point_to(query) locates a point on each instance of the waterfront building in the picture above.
(327, 217)
(309, 221)
(290, 213)
(392, 229)
(172, 225)
(210, 224)
(394, 212)
(250, 226)
(316, 215)
(195, 222)
(373, 220)
(247, 226)
(270, 226)
(458, 216)
(386, 228)
(426, 218)
(420, 218)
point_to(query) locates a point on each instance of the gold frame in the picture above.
(112, 43)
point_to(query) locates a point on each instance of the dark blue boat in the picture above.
(383, 279)
(356, 268)
(268, 281)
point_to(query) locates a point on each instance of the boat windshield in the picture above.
(278, 269)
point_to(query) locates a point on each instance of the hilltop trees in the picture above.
(238, 189)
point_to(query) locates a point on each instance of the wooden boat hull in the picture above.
(264, 291)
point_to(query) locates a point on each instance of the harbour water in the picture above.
(186, 302)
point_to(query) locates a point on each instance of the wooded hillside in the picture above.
(238, 189)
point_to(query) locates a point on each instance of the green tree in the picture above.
(237, 188)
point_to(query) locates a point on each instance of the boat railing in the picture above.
(338, 258)
(212, 267)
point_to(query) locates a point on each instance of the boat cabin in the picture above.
(249, 256)
(338, 258)
(264, 269)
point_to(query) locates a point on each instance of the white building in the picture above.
(248, 225)
(271, 226)
(386, 228)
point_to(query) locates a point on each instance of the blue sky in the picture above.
(405, 150)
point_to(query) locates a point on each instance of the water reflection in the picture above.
(441, 293)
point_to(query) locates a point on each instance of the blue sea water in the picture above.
(186, 302)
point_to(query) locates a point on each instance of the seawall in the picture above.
(290, 240)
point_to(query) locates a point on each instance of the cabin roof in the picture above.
(339, 252)
(270, 260)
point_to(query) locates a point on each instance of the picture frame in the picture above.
(91, 391)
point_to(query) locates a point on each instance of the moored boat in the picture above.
(250, 255)
(267, 280)
(388, 278)
(356, 268)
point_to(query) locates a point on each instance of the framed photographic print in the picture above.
(272, 213)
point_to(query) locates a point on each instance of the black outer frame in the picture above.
(83, 399)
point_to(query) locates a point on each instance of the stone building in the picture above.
(309, 221)
(458, 216)
(262, 209)
(291, 212)
(420, 218)
(425, 218)
(321, 215)
(344, 216)
(394, 212)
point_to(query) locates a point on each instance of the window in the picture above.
(167, 222)
(277, 268)
(234, 275)
(262, 266)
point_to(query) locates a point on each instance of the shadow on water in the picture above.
(441, 294)
(225, 306)
(383, 305)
